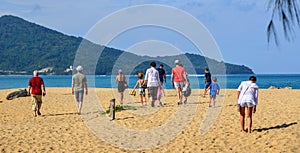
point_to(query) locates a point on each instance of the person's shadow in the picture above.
(59, 114)
(275, 127)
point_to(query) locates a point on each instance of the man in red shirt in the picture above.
(178, 78)
(35, 86)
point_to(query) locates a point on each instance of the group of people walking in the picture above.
(247, 92)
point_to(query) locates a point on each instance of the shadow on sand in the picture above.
(124, 118)
(275, 127)
(74, 113)
(59, 114)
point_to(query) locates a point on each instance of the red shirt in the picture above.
(178, 73)
(36, 85)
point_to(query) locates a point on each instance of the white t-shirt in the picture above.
(248, 93)
(152, 77)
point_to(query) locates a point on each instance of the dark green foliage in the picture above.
(119, 108)
(26, 46)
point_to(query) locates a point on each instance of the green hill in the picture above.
(26, 46)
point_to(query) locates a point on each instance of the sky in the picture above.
(238, 28)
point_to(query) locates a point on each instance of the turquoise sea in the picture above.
(102, 81)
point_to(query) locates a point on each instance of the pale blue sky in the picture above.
(238, 27)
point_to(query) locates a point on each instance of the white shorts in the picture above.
(247, 104)
(178, 84)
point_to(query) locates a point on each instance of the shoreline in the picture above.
(229, 82)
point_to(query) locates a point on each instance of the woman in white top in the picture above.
(247, 97)
(153, 82)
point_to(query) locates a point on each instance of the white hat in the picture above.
(79, 68)
(177, 62)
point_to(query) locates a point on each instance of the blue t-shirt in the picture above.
(213, 88)
(161, 72)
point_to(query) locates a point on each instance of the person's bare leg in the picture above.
(242, 117)
(79, 106)
(178, 94)
(145, 100)
(249, 119)
(214, 101)
(122, 96)
(163, 91)
(204, 93)
(141, 99)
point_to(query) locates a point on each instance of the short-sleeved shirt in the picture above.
(214, 87)
(208, 77)
(178, 73)
(79, 81)
(161, 72)
(36, 85)
(152, 77)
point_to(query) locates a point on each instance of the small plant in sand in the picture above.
(119, 108)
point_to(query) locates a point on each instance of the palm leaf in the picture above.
(288, 14)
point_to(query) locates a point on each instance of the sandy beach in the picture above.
(187, 128)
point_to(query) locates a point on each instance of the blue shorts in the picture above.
(142, 91)
(207, 84)
(213, 96)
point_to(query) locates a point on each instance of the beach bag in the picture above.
(186, 91)
(159, 92)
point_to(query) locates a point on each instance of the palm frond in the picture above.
(296, 10)
(288, 14)
(272, 32)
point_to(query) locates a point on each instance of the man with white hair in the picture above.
(178, 78)
(79, 82)
(35, 86)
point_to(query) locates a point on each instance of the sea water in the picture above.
(108, 81)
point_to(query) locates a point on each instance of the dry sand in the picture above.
(188, 128)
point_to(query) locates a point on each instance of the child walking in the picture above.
(214, 91)
(142, 91)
